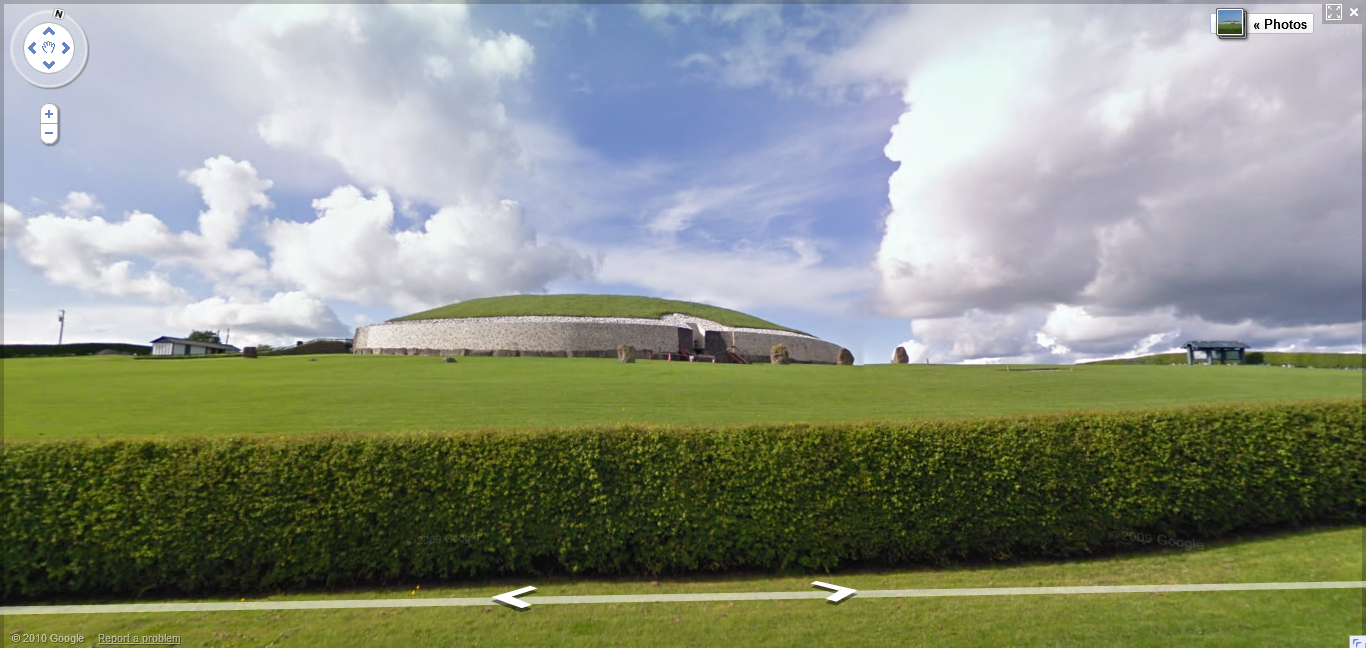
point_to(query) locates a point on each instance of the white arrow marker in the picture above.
(840, 593)
(510, 598)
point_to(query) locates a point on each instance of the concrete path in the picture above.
(656, 598)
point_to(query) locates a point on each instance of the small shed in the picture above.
(1216, 350)
(165, 346)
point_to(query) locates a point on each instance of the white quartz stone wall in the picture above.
(550, 334)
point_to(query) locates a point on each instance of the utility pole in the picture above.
(61, 326)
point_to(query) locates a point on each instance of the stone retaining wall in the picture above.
(573, 337)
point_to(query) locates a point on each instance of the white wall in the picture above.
(576, 334)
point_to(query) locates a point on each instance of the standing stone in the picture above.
(846, 358)
(900, 356)
(247, 352)
(626, 354)
(778, 355)
(448, 360)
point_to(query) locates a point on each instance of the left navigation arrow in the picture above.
(510, 598)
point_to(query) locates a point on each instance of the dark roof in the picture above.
(211, 345)
(1213, 344)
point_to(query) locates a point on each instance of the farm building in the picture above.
(1214, 351)
(590, 326)
(164, 346)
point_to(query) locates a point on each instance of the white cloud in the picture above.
(1066, 334)
(286, 315)
(283, 318)
(689, 203)
(405, 97)
(785, 49)
(230, 189)
(130, 324)
(80, 204)
(744, 277)
(122, 257)
(548, 15)
(505, 55)
(14, 224)
(351, 251)
(84, 253)
(665, 14)
(1111, 193)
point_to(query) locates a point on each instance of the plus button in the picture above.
(48, 113)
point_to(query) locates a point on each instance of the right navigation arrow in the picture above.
(840, 593)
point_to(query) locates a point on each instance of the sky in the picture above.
(1027, 184)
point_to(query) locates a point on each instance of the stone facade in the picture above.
(577, 337)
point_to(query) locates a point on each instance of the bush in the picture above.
(250, 514)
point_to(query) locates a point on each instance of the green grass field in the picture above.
(591, 306)
(1231, 27)
(1308, 618)
(107, 397)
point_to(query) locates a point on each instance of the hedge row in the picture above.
(251, 514)
(76, 349)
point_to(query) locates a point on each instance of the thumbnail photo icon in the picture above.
(1232, 23)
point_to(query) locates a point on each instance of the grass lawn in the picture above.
(112, 396)
(1265, 618)
(591, 306)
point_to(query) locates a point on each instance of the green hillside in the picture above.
(1274, 358)
(590, 306)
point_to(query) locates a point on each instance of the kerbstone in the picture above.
(577, 337)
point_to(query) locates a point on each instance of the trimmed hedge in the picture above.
(75, 349)
(250, 514)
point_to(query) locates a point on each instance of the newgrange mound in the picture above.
(588, 326)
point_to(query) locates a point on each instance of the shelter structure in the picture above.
(1216, 350)
(163, 346)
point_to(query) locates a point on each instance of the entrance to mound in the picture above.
(699, 340)
(692, 340)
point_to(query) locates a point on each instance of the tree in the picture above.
(204, 336)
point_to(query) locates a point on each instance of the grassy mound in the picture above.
(591, 306)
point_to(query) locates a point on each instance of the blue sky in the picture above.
(1226, 15)
(976, 193)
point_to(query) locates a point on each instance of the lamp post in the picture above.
(61, 326)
